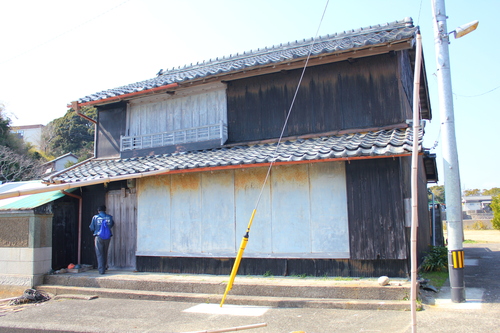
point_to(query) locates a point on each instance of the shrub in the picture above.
(495, 207)
(435, 260)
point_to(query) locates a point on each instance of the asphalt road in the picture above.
(480, 313)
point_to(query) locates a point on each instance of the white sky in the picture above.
(55, 51)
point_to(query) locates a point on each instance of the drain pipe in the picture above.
(80, 210)
(75, 106)
(414, 181)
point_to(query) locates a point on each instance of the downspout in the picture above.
(76, 106)
(80, 210)
(414, 181)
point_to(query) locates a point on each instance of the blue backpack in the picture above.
(104, 231)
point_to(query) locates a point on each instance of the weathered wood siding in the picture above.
(284, 267)
(343, 95)
(110, 126)
(185, 109)
(424, 232)
(121, 204)
(376, 209)
(302, 213)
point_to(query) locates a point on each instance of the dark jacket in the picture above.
(97, 220)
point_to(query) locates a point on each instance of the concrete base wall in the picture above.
(22, 267)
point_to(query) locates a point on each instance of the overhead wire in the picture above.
(244, 240)
(291, 106)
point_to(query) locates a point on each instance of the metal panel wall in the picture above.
(151, 214)
(302, 213)
(291, 218)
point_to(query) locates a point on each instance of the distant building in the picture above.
(59, 163)
(477, 203)
(30, 133)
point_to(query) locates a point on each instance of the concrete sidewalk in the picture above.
(478, 314)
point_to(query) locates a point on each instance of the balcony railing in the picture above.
(188, 135)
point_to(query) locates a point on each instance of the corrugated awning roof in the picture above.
(29, 201)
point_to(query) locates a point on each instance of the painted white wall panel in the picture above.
(186, 213)
(218, 228)
(302, 212)
(248, 184)
(290, 205)
(329, 223)
(153, 214)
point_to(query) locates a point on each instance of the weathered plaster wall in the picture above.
(14, 231)
(25, 249)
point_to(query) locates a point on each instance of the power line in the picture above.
(63, 34)
(487, 92)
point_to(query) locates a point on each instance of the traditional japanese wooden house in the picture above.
(181, 160)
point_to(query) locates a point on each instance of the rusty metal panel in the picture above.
(247, 187)
(290, 209)
(218, 234)
(329, 222)
(153, 213)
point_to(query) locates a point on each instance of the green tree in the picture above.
(468, 193)
(18, 161)
(492, 191)
(438, 192)
(495, 207)
(71, 134)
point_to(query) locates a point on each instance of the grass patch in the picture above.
(341, 278)
(470, 241)
(268, 274)
(437, 279)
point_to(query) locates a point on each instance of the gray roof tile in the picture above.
(341, 42)
(375, 144)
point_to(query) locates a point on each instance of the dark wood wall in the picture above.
(376, 209)
(112, 121)
(64, 232)
(93, 197)
(363, 93)
(278, 267)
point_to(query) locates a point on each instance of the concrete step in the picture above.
(259, 291)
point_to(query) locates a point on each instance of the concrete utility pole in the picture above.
(450, 154)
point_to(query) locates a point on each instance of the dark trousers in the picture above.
(101, 251)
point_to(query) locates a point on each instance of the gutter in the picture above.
(66, 186)
(76, 106)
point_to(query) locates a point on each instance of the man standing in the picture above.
(102, 236)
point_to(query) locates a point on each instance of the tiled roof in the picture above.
(336, 43)
(369, 144)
